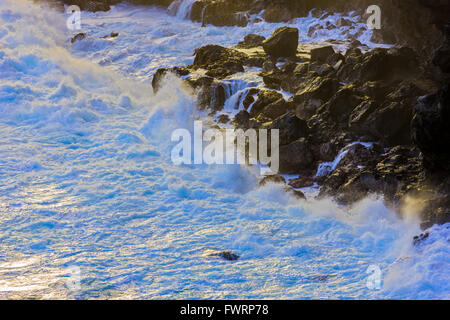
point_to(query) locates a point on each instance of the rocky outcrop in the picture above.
(431, 130)
(220, 62)
(282, 43)
(337, 99)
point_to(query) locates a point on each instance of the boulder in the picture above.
(282, 43)
(251, 41)
(276, 109)
(295, 157)
(265, 98)
(291, 128)
(220, 61)
(321, 54)
(78, 37)
(277, 179)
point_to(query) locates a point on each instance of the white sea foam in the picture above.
(86, 180)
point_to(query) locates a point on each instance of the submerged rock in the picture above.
(226, 255)
(78, 37)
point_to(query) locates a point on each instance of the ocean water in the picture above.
(89, 195)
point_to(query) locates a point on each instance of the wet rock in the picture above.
(242, 119)
(111, 35)
(226, 255)
(277, 14)
(291, 128)
(223, 118)
(296, 193)
(78, 37)
(276, 109)
(219, 61)
(320, 88)
(342, 22)
(420, 238)
(265, 98)
(161, 73)
(321, 54)
(380, 65)
(302, 182)
(431, 129)
(220, 13)
(343, 102)
(295, 157)
(282, 43)
(272, 179)
(251, 41)
(442, 57)
(249, 99)
(92, 5)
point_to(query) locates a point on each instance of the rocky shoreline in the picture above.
(357, 122)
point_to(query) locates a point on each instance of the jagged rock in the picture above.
(276, 109)
(249, 99)
(291, 128)
(431, 129)
(220, 61)
(282, 43)
(343, 102)
(302, 182)
(321, 54)
(380, 65)
(160, 73)
(242, 119)
(223, 118)
(320, 88)
(295, 157)
(265, 98)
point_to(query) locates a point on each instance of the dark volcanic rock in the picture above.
(275, 109)
(226, 255)
(265, 98)
(161, 73)
(242, 119)
(296, 193)
(78, 37)
(295, 157)
(291, 128)
(282, 43)
(321, 54)
(272, 179)
(431, 129)
(251, 41)
(220, 61)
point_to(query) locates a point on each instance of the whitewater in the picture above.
(86, 179)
